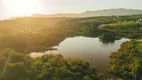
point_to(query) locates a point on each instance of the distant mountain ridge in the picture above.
(106, 12)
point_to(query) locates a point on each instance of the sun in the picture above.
(22, 7)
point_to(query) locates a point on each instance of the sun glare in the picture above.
(22, 7)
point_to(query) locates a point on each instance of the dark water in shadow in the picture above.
(85, 48)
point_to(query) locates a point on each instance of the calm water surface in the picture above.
(85, 48)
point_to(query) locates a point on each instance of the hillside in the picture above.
(106, 12)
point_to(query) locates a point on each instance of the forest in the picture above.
(20, 36)
(38, 34)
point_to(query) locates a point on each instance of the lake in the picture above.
(86, 48)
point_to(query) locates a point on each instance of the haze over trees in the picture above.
(38, 33)
(105, 12)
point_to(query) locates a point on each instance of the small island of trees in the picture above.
(107, 37)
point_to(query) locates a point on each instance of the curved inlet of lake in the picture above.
(86, 48)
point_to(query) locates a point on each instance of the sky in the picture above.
(11, 8)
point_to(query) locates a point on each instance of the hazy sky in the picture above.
(61, 6)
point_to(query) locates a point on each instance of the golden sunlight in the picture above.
(22, 7)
